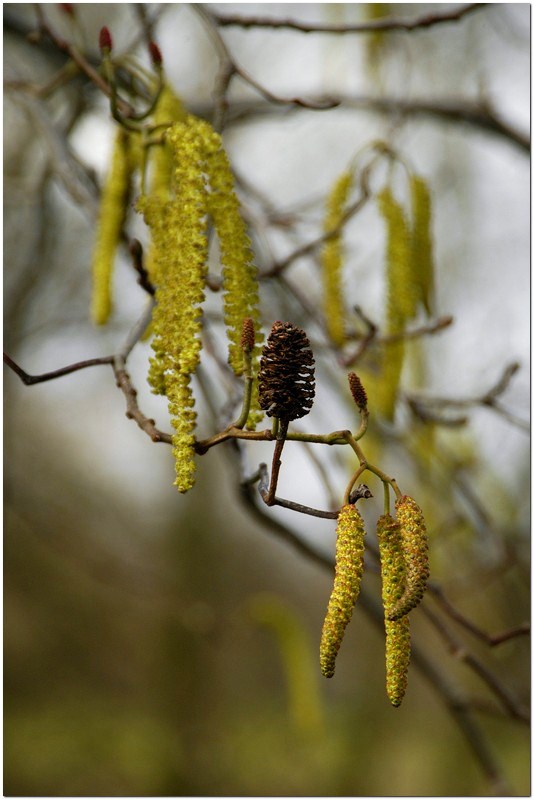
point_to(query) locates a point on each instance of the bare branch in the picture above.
(386, 25)
(30, 380)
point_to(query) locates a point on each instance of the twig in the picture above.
(509, 703)
(384, 25)
(311, 246)
(263, 488)
(230, 68)
(30, 380)
(490, 639)
(136, 252)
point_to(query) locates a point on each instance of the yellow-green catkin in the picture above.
(240, 281)
(350, 534)
(377, 39)
(415, 550)
(298, 662)
(393, 573)
(179, 234)
(401, 296)
(239, 273)
(113, 209)
(422, 250)
(332, 259)
(169, 109)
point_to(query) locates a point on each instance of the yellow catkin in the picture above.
(240, 282)
(239, 273)
(179, 235)
(113, 209)
(422, 251)
(401, 296)
(377, 39)
(169, 109)
(332, 259)
(349, 568)
(393, 573)
(415, 550)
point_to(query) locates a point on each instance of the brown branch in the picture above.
(133, 411)
(136, 251)
(47, 31)
(386, 25)
(424, 406)
(490, 639)
(508, 701)
(30, 380)
(319, 241)
(229, 69)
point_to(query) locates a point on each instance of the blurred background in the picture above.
(158, 644)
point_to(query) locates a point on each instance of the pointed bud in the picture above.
(358, 392)
(105, 41)
(67, 8)
(155, 54)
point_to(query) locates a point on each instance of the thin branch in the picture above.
(319, 241)
(30, 380)
(385, 25)
(508, 701)
(490, 639)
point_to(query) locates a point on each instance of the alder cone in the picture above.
(287, 374)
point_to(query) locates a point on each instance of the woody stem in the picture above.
(277, 463)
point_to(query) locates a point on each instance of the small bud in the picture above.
(155, 54)
(248, 337)
(358, 392)
(105, 41)
(67, 8)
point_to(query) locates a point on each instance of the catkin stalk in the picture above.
(348, 574)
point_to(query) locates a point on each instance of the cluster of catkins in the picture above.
(187, 182)
(404, 567)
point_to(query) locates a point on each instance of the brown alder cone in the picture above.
(286, 377)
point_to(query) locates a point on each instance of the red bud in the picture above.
(105, 41)
(155, 54)
(67, 8)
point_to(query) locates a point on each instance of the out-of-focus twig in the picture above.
(384, 25)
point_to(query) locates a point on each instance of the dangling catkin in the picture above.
(415, 550)
(349, 569)
(332, 259)
(422, 251)
(113, 209)
(392, 568)
(401, 297)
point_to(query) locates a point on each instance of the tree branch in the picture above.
(386, 25)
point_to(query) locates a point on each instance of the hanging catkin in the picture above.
(393, 573)
(415, 550)
(112, 213)
(349, 569)
(422, 251)
(401, 298)
(332, 259)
